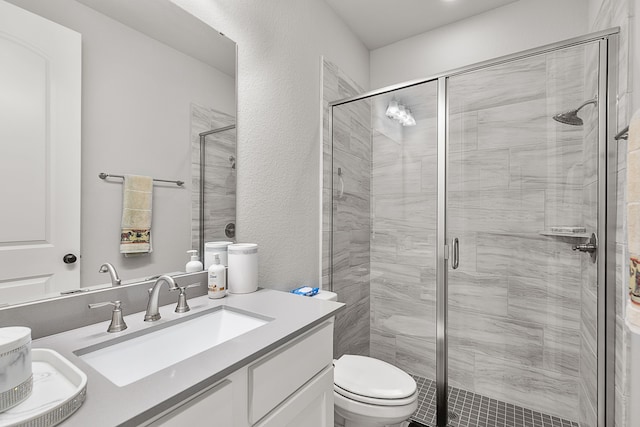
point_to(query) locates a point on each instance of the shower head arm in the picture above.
(593, 101)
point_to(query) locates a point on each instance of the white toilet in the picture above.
(368, 392)
(371, 393)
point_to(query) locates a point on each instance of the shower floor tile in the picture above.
(474, 410)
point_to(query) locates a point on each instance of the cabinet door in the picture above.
(311, 406)
(213, 407)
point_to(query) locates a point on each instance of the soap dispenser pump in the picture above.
(195, 264)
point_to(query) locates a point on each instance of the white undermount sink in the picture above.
(138, 355)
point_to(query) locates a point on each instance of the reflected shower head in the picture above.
(571, 117)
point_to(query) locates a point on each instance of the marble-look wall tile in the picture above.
(518, 341)
(351, 152)
(550, 392)
(416, 355)
(561, 349)
(497, 211)
(220, 177)
(479, 170)
(546, 258)
(522, 123)
(588, 377)
(546, 165)
(478, 293)
(545, 302)
(502, 84)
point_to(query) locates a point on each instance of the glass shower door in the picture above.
(384, 206)
(522, 191)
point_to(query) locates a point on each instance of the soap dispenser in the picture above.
(195, 264)
(217, 278)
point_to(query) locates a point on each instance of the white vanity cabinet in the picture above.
(290, 386)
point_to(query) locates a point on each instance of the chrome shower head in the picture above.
(571, 117)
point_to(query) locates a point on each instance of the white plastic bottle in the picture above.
(195, 264)
(217, 278)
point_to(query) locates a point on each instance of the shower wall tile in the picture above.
(415, 210)
(468, 92)
(561, 349)
(552, 392)
(397, 178)
(563, 206)
(402, 283)
(463, 131)
(416, 355)
(413, 319)
(351, 151)
(383, 345)
(497, 211)
(589, 383)
(589, 319)
(523, 123)
(546, 258)
(479, 170)
(220, 177)
(478, 293)
(546, 165)
(518, 341)
(545, 302)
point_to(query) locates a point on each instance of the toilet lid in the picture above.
(371, 377)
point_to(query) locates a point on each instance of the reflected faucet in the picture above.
(107, 267)
(152, 307)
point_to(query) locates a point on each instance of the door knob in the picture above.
(69, 259)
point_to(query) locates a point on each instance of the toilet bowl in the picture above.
(371, 393)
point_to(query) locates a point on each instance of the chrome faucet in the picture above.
(106, 267)
(152, 307)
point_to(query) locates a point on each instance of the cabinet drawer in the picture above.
(311, 406)
(214, 405)
(281, 373)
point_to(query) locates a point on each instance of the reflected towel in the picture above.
(135, 234)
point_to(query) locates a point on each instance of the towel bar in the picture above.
(103, 175)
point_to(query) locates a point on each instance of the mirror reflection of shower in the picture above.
(571, 117)
(400, 113)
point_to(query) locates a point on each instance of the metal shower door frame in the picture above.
(606, 228)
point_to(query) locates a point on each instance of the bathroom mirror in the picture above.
(112, 87)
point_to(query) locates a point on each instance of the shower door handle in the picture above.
(455, 258)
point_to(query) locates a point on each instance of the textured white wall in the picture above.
(279, 48)
(508, 29)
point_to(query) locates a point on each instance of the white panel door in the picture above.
(40, 86)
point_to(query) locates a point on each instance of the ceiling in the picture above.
(381, 22)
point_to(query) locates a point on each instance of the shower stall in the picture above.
(471, 224)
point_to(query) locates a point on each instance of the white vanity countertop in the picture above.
(110, 405)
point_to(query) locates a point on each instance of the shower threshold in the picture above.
(467, 409)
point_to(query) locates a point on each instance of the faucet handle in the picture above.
(117, 321)
(182, 306)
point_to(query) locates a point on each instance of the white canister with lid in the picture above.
(16, 380)
(211, 248)
(243, 268)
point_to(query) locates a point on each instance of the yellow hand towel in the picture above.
(135, 234)
(633, 206)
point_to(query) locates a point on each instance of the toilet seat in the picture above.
(372, 381)
(374, 401)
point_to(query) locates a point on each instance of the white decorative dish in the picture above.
(15, 366)
(59, 389)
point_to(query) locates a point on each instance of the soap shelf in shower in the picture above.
(580, 235)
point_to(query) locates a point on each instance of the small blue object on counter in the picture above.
(307, 291)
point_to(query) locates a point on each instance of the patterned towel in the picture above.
(135, 234)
